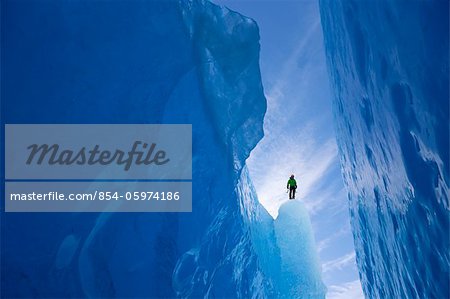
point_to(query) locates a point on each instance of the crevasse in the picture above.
(149, 62)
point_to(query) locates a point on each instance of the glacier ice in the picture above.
(148, 62)
(388, 63)
(300, 266)
(285, 247)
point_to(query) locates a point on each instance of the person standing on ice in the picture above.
(291, 185)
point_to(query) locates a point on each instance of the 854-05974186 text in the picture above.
(98, 195)
(108, 168)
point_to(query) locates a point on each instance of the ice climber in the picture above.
(291, 185)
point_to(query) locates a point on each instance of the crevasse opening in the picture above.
(299, 139)
(285, 246)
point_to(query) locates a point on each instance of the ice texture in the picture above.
(147, 62)
(285, 246)
(388, 62)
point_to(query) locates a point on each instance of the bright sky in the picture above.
(299, 136)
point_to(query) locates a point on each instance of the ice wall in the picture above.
(388, 61)
(143, 62)
(136, 62)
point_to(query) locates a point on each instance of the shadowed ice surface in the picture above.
(145, 62)
(389, 66)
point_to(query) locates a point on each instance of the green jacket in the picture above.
(292, 183)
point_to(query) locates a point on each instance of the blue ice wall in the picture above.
(388, 61)
(285, 246)
(136, 62)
